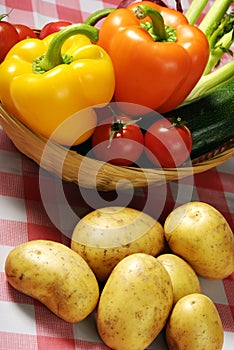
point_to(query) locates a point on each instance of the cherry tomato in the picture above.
(126, 145)
(24, 31)
(8, 38)
(53, 27)
(166, 144)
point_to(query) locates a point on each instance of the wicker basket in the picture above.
(91, 173)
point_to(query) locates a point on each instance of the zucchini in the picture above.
(210, 118)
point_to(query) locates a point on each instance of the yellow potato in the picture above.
(56, 276)
(200, 234)
(135, 303)
(105, 236)
(194, 324)
(184, 279)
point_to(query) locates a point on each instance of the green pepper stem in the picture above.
(159, 30)
(53, 56)
(95, 17)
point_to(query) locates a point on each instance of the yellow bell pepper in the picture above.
(52, 84)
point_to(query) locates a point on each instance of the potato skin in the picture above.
(184, 279)
(112, 233)
(56, 276)
(200, 234)
(194, 324)
(135, 303)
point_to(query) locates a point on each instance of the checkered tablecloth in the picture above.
(25, 324)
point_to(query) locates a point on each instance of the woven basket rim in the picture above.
(108, 176)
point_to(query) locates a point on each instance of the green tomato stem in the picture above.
(177, 122)
(118, 125)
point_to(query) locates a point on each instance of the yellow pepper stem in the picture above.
(53, 56)
(95, 17)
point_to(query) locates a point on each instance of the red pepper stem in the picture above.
(53, 56)
(95, 17)
(5, 14)
(143, 11)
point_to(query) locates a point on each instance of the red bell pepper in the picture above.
(158, 56)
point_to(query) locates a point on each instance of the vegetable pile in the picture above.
(144, 57)
(140, 276)
(146, 83)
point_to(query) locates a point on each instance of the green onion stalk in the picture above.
(218, 26)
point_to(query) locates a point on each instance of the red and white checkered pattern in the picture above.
(36, 13)
(25, 324)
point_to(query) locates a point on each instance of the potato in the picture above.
(135, 303)
(105, 236)
(56, 276)
(194, 324)
(199, 233)
(184, 279)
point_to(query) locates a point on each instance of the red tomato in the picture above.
(126, 145)
(53, 27)
(8, 38)
(167, 145)
(24, 31)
